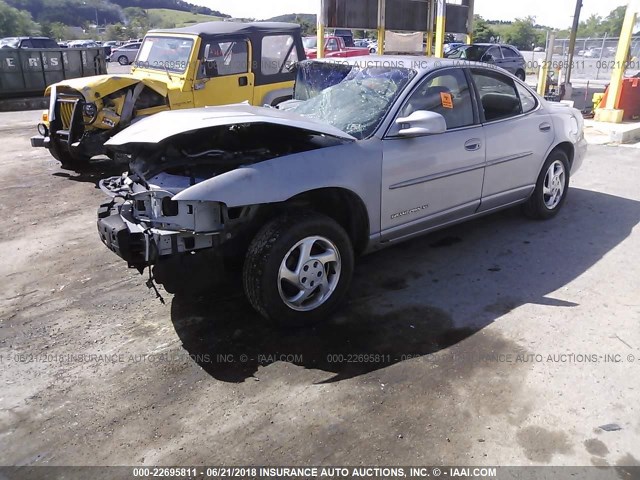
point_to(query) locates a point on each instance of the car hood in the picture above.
(99, 86)
(164, 125)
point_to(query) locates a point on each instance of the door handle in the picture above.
(545, 127)
(472, 145)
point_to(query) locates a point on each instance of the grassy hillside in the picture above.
(295, 18)
(180, 19)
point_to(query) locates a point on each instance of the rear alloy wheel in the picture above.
(551, 188)
(298, 268)
(123, 60)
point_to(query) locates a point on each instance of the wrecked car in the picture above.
(366, 155)
(211, 63)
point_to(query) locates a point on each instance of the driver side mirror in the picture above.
(421, 123)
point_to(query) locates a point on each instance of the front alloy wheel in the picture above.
(309, 273)
(298, 268)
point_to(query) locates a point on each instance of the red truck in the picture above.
(333, 47)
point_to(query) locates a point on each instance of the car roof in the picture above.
(492, 44)
(230, 28)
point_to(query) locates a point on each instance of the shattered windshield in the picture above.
(165, 53)
(350, 98)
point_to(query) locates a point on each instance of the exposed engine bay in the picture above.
(145, 226)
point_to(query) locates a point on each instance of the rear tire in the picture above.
(298, 268)
(551, 188)
(123, 60)
(521, 75)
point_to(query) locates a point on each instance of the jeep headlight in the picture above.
(90, 110)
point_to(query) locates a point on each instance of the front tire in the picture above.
(521, 75)
(551, 188)
(123, 60)
(298, 268)
(68, 160)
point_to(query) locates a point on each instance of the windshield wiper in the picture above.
(166, 69)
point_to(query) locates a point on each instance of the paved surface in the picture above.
(502, 341)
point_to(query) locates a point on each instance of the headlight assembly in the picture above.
(90, 110)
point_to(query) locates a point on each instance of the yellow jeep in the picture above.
(212, 63)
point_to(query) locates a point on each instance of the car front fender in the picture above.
(354, 166)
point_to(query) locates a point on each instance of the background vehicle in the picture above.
(83, 44)
(28, 42)
(333, 47)
(503, 56)
(207, 64)
(126, 54)
(451, 46)
(373, 156)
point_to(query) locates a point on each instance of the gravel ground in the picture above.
(499, 342)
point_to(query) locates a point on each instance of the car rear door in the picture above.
(518, 134)
(512, 60)
(435, 179)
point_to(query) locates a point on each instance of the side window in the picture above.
(26, 44)
(498, 95)
(526, 98)
(509, 53)
(494, 52)
(332, 45)
(446, 93)
(225, 58)
(278, 54)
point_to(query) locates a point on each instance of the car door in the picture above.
(432, 180)
(224, 74)
(131, 51)
(493, 56)
(518, 134)
(512, 60)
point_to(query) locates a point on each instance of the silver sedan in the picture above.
(370, 152)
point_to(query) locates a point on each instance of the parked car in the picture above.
(593, 53)
(361, 159)
(361, 43)
(83, 44)
(126, 54)
(211, 63)
(28, 42)
(504, 56)
(538, 49)
(333, 47)
(448, 47)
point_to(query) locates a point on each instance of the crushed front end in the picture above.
(177, 240)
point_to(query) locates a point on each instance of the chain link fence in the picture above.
(594, 58)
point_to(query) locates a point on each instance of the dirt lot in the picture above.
(503, 341)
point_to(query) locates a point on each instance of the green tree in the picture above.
(14, 22)
(522, 33)
(482, 31)
(612, 24)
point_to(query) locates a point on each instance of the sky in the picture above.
(554, 13)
